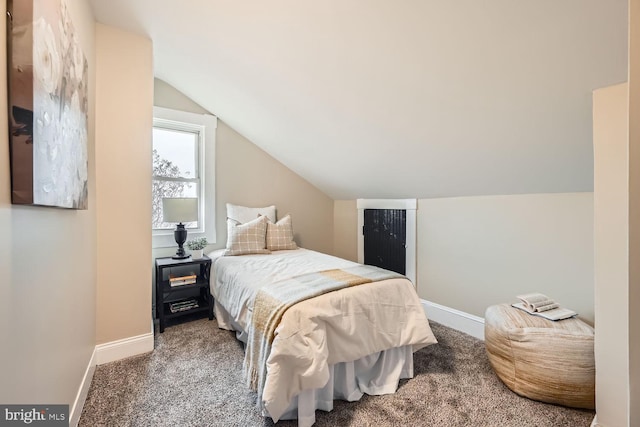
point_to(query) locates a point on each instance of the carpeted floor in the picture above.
(194, 378)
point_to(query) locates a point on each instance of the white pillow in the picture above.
(243, 214)
(280, 235)
(249, 238)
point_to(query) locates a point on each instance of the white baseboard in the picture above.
(105, 353)
(83, 391)
(456, 319)
(120, 349)
(594, 423)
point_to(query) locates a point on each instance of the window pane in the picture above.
(174, 153)
(162, 189)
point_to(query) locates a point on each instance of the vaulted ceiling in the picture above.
(395, 99)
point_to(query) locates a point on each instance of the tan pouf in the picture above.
(542, 359)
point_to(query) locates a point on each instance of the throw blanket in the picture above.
(272, 301)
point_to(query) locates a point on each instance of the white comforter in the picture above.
(339, 326)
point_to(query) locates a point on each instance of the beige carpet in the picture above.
(194, 378)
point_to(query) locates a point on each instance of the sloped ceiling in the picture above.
(395, 99)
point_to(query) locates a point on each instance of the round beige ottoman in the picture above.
(542, 359)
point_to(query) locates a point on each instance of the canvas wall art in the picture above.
(48, 106)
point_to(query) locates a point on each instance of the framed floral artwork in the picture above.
(48, 106)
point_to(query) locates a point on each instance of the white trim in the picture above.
(407, 204)
(121, 349)
(411, 258)
(456, 319)
(83, 391)
(410, 205)
(594, 423)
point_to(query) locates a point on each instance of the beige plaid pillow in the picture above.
(280, 235)
(248, 238)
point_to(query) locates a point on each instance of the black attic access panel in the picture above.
(385, 238)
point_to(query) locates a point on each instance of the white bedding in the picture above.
(340, 326)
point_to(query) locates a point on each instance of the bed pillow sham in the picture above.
(244, 214)
(248, 238)
(280, 235)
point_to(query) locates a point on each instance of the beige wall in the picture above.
(269, 183)
(48, 267)
(473, 252)
(345, 233)
(123, 171)
(634, 212)
(477, 251)
(611, 231)
(246, 175)
(165, 95)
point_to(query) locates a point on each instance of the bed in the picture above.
(315, 327)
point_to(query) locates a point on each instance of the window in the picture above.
(183, 166)
(176, 167)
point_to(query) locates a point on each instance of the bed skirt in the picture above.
(375, 374)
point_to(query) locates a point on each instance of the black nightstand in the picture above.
(174, 299)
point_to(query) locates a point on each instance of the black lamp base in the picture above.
(180, 235)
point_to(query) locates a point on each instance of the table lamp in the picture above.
(180, 209)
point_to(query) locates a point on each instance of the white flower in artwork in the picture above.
(77, 60)
(75, 103)
(64, 26)
(60, 168)
(46, 59)
(64, 40)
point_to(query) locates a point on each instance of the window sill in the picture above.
(167, 240)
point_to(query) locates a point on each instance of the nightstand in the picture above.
(182, 287)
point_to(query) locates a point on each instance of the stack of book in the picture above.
(543, 306)
(184, 305)
(182, 280)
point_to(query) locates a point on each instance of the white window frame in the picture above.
(205, 126)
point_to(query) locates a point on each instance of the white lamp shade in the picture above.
(180, 209)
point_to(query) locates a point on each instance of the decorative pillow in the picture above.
(247, 238)
(280, 235)
(243, 214)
